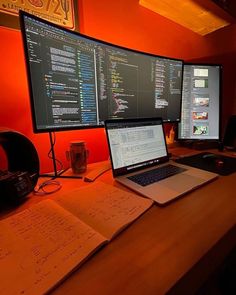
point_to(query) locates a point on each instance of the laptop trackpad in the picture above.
(182, 182)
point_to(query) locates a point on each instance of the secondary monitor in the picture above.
(76, 81)
(200, 118)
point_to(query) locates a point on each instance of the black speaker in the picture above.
(230, 133)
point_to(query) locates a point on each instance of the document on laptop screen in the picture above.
(136, 144)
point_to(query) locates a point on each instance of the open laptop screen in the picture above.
(135, 144)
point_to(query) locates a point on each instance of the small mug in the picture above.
(77, 155)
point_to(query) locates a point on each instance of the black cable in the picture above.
(50, 153)
(40, 189)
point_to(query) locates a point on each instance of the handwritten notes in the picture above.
(104, 207)
(39, 246)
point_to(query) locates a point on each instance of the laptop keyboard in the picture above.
(157, 174)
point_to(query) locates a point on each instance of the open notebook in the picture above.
(41, 245)
(139, 158)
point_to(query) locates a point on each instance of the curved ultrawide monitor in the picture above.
(78, 82)
(201, 99)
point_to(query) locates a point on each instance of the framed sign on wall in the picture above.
(61, 12)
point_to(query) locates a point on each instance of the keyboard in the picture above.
(157, 174)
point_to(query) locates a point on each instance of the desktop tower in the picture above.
(230, 134)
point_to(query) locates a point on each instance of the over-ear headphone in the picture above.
(23, 167)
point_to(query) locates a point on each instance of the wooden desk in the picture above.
(167, 250)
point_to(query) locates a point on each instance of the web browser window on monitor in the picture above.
(200, 117)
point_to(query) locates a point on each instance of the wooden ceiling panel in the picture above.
(202, 17)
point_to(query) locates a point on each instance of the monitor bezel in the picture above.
(182, 140)
(36, 129)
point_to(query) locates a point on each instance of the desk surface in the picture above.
(167, 249)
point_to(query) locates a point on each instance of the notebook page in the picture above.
(40, 246)
(104, 207)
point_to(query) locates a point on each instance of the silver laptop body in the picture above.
(137, 146)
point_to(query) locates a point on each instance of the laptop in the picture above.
(140, 161)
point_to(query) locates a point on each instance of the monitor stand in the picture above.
(55, 173)
(89, 176)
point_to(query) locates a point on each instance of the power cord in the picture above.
(40, 189)
(50, 153)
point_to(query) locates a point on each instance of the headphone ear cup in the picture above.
(23, 165)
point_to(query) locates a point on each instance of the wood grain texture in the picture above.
(167, 249)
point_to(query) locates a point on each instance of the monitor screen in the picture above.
(200, 118)
(76, 81)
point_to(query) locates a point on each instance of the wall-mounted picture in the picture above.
(60, 12)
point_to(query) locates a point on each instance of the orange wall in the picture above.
(121, 22)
